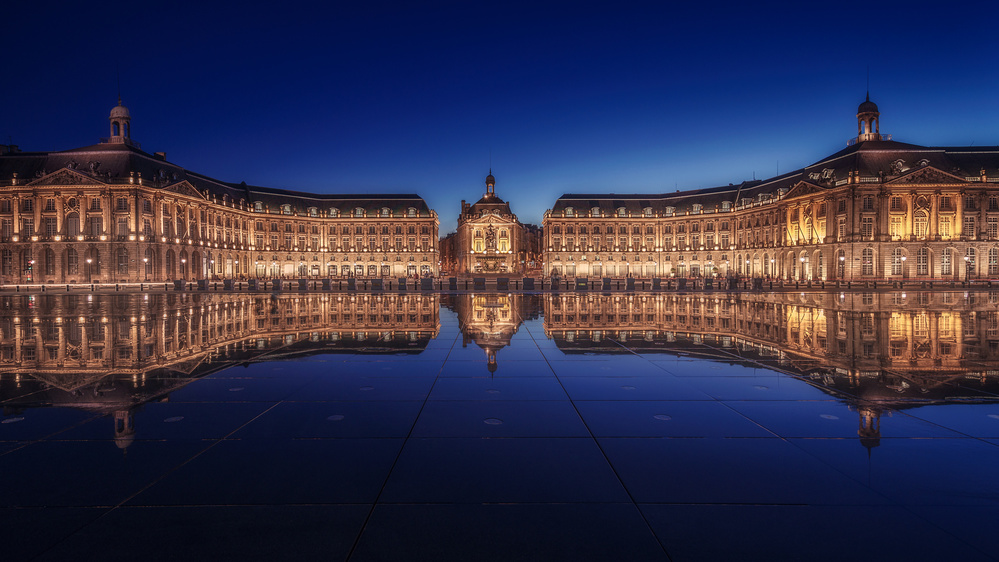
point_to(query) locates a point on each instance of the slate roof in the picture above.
(870, 158)
(115, 163)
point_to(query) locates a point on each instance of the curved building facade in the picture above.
(877, 210)
(114, 213)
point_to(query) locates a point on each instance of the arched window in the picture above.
(386, 212)
(313, 212)
(919, 224)
(647, 211)
(286, 209)
(115, 129)
(411, 212)
(72, 262)
(121, 261)
(595, 212)
(334, 212)
(621, 212)
(947, 261)
(896, 261)
(570, 212)
(48, 256)
(258, 207)
(359, 212)
(73, 224)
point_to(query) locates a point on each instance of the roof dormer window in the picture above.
(313, 212)
(358, 211)
(647, 211)
(286, 209)
(570, 212)
(258, 207)
(621, 212)
(411, 212)
(595, 212)
(386, 212)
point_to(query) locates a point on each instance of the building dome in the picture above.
(868, 106)
(490, 180)
(120, 111)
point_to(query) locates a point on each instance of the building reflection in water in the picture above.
(111, 354)
(880, 352)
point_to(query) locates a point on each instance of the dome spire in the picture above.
(490, 184)
(868, 120)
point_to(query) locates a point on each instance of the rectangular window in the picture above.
(867, 227)
(27, 227)
(946, 267)
(95, 203)
(50, 226)
(27, 205)
(992, 227)
(868, 203)
(969, 227)
(895, 225)
(841, 229)
(50, 205)
(121, 204)
(922, 262)
(944, 227)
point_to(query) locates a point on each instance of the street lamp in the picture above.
(183, 268)
(89, 261)
(145, 267)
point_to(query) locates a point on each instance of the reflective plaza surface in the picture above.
(476, 426)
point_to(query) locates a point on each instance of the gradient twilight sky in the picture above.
(383, 97)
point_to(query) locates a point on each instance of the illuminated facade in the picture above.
(489, 238)
(113, 213)
(877, 210)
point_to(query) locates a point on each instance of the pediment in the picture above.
(803, 188)
(927, 174)
(66, 176)
(184, 188)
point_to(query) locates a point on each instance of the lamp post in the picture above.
(183, 268)
(968, 266)
(145, 267)
(801, 272)
(89, 261)
(903, 267)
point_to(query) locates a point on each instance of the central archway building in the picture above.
(876, 210)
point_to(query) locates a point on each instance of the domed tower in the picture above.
(490, 185)
(868, 117)
(121, 129)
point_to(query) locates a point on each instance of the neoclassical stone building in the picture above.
(877, 210)
(114, 213)
(489, 238)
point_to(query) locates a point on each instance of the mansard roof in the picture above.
(874, 161)
(118, 163)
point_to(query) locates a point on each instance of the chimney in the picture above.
(160, 156)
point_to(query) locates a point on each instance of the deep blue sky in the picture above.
(381, 97)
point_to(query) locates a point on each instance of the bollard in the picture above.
(67, 288)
